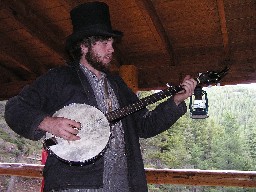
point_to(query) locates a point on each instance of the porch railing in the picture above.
(193, 177)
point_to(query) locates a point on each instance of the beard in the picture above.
(94, 60)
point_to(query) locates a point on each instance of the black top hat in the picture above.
(90, 19)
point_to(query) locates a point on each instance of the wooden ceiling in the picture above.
(164, 39)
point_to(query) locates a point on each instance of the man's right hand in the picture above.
(61, 127)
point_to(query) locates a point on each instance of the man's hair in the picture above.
(75, 52)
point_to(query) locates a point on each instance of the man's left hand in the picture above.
(188, 85)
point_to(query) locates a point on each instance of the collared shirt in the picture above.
(115, 176)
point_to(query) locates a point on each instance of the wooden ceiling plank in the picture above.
(16, 52)
(13, 74)
(35, 25)
(148, 8)
(223, 26)
(6, 57)
(11, 89)
(69, 4)
(15, 69)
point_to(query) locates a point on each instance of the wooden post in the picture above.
(129, 73)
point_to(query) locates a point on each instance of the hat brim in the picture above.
(79, 35)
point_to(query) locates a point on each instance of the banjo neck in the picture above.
(142, 103)
(204, 78)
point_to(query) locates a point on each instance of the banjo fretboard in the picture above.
(142, 103)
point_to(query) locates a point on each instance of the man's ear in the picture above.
(84, 49)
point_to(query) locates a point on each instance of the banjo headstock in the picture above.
(211, 77)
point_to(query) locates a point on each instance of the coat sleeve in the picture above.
(160, 119)
(24, 112)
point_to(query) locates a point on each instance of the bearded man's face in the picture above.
(99, 55)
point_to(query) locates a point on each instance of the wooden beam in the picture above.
(21, 169)
(193, 177)
(8, 90)
(148, 9)
(18, 53)
(197, 177)
(35, 25)
(223, 27)
(10, 62)
(69, 4)
(12, 72)
(129, 73)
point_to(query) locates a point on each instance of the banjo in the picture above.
(95, 126)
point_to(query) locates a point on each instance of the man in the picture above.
(87, 80)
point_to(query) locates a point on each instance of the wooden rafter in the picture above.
(11, 89)
(148, 8)
(34, 24)
(15, 65)
(194, 177)
(223, 26)
(18, 54)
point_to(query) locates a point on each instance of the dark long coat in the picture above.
(60, 87)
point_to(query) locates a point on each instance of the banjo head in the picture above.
(94, 134)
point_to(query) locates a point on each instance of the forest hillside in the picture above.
(15, 149)
(226, 140)
(229, 129)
